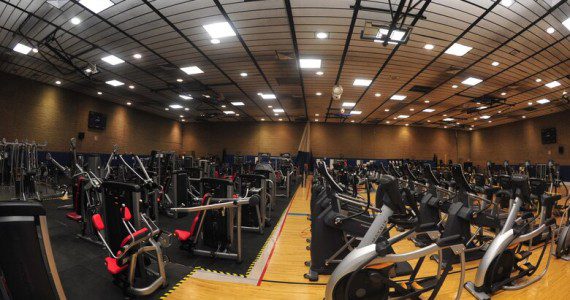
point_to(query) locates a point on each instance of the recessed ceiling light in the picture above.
(75, 21)
(175, 106)
(219, 30)
(131, 87)
(183, 120)
(377, 95)
(35, 50)
(458, 49)
(524, 117)
(179, 80)
(88, 70)
(112, 60)
(278, 110)
(445, 115)
(191, 70)
(310, 63)
(223, 106)
(348, 104)
(398, 97)
(99, 93)
(206, 96)
(472, 81)
(454, 86)
(166, 108)
(137, 56)
(444, 126)
(351, 121)
(186, 108)
(426, 101)
(322, 35)
(57, 82)
(542, 101)
(276, 114)
(412, 109)
(449, 119)
(355, 112)
(429, 121)
(495, 63)
(114, 82)
(503, 93)
(566, 23)
(553, 84)
(129, 103)
(316, 115)
(185, 97)
(429, 110)
(21, 48)
(361, 82)
(262, 119)
(481, 107)
(485, 117)
(387, 122)
(507, 3)
(229, 112)
(238, 103)
(407, 124)
(316, 120)
(529, 103)
(429, 46)
(96, 6)
(538, 80)
(280, 119)
(490, 121)
(318, 93)
(387, 109)
(243, 74)
(320, 73)
(267, 96)
(470, 128)
(403, 116)
(475, 119)
(500, 111)
(550, 30)
(564, 93)
(214, 41)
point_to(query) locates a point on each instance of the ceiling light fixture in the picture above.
(387, 110)
(426, 101)
(137, 56)
(361, 82)
(377, 95)
(179, 80)
(454, 86)
(495, 63)
(237, 103)
(449, 119)
(429, 46)
(318, 93)
(538, 80)
(566, 23)
(129, 103)
(348, 104)
(543, 101)
(267, 96)
(35, 50)
(278, 110)
(472, 81)
(96, 6)
(114, 83)
(485, 117)
(131, 87)
(229, 112)
(175, 106)
(429, 110)
(355, 112)
(21, 48)
(458, 49)
(75, 21)
(550, 30)
(503, 93)
(219, 30)
(215, 41)
(99, 93)
(191, 70)
(309, 63)
(403, 116)
(322, 35)
(57, 82)
(552, 84)
(185, 97)
(320, 73)
(507, 3)
(243, 74)
(398, 97)
(112, 60)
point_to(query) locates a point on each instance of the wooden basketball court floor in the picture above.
(282, 277)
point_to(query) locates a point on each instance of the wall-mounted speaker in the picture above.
(560, 149)
(80, 135)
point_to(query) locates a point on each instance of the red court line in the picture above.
(275, 244)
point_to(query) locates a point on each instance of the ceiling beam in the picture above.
(296, 48)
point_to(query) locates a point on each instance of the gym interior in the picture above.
(284, 149)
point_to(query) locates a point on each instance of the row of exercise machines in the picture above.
(121, 211)
(512, 218)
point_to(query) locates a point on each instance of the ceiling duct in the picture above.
(284, 55)
(453, 70)
(379, 33)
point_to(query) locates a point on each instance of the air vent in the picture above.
(421, 89)
(453, 70)
(288, 80)
(284, 55)
(514, 52)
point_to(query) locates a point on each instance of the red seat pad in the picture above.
(73, 216)
(113, 267)
(136, 234)
(182, 235)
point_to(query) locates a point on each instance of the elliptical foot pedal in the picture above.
(522, 255)
(403, 269)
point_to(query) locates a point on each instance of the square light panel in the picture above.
(403, 116)
(566, 23)
(543, 101)
(175, 106)
(112, 60)
(348, 104)
(361, 82)
(21, 48)
(186, 97)
(398, 97)
(114, 82)
(429, 110)
(355, 112)
(458, 49)
(448, 119)
(238, 103)
(552, 84)
(192, 70)
(310, 63)
(472, 81)
(219, 30)
(484, 117)
(278, 110)
(96, 6)
(229, 112)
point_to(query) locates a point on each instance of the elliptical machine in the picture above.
(505, 254)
